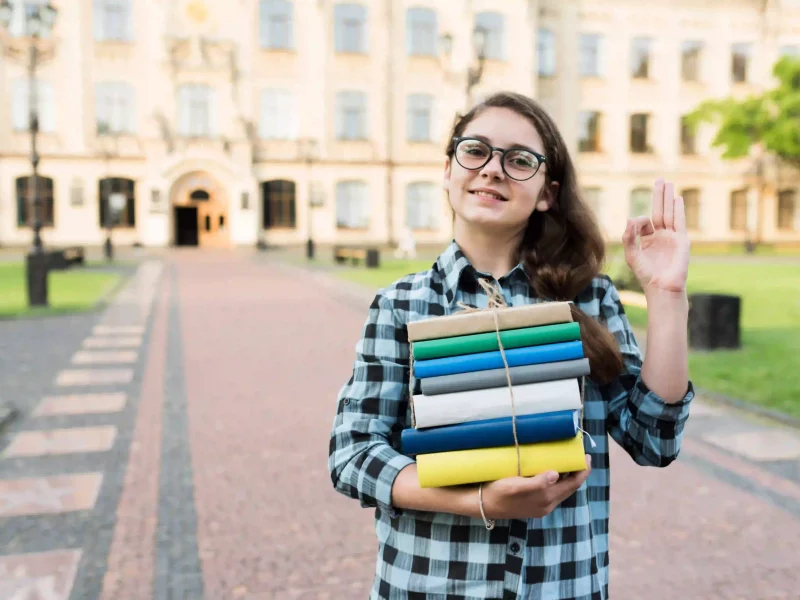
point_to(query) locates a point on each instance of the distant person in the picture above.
(407, 246)
(521, 223)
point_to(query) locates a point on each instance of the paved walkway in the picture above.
(178, 450)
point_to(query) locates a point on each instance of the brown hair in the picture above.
(562, 248)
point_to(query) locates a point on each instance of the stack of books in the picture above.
(463, 418)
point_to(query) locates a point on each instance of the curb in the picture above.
(780, 418)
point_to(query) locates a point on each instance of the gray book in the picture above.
(492, 378)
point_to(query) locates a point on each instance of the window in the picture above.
(419, 126)
(422, 205)
(422, 32)
(351, 115)
(279, 199)
(589, 131)
(740, 61)
(688, 141)
(116, 185)
(494, 25)
(114, 108)
(546, 50)
(276, 27)
(112, 20)
(352, 205)
(195, 105)
(640, 58)
(20, 105)
(639, 126)
(641, 201)
(787, 210)
(591, 55)
(691, 51)
(25, 206)
(199, 196)
(278, 115)
(691, 203)
(592, 197)
(350, 23)
(738, 217)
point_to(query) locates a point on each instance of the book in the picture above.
(486, 342)
(483, 361)
(495, 403)
(466, 323)
(479, 465)
(490, 433)
(478, 380)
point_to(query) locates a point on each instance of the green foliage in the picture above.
(771, 118)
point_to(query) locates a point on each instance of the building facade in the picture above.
(220, 124)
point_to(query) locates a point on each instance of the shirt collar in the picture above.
(452, 265)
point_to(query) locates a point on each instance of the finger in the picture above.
(657, 204)
(642, 226)
(680, 215)
(567, 486)
(669, 206)
(540, 482)
(629, 246)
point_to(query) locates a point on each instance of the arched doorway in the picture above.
(200, 212)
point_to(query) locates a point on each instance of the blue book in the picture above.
(491, 433)
(482, 361)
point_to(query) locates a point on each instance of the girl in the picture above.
(520, 223)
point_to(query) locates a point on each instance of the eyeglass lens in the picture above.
(518, 164)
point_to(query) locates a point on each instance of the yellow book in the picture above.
(490, 464)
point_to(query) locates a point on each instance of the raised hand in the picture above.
(657, 247)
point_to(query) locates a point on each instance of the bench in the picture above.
(370, 257)
(65, 258)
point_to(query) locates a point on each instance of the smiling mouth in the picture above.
(490, 195)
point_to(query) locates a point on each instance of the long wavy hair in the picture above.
(562, 249)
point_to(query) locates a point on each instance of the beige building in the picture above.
(222, 123)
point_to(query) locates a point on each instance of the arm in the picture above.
(640, 419)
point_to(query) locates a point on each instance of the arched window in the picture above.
(200, 195)
(279, 200)
(25, 197)
(109, 186)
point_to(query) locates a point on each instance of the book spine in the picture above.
(487, 342)
(478, 380)
(495, 403)
(490, 464)
(545, 427)
(484, 361)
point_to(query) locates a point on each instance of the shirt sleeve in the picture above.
(648, 428)
(371, 406)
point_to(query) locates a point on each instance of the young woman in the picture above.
(520, 222)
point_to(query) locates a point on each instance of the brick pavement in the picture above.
(216, 485)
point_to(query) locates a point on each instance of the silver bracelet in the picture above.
(488, 522)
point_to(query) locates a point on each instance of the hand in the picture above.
(531, 497)
(661, 262)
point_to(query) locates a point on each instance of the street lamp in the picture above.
(309, 152)
(475, 72)
(39, 20)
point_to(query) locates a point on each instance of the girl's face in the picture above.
(487, 197)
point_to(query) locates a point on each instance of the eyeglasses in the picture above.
(518, 163)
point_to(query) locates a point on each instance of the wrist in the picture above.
(661, 299)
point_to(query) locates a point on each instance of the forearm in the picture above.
(407, 493)
(666, 369)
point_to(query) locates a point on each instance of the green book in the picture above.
(487, 342)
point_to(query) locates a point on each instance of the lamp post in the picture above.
(475, 72)
(309, 151)
(38, 20)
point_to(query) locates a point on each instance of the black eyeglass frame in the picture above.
(503, 151)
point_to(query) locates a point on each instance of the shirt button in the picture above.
(515, 547)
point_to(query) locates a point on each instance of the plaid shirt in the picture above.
(437, 555)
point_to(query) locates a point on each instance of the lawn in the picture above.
(72, 290)
(764, 371)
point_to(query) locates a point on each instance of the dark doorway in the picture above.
(186, 226)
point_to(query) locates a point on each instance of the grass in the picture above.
(764, 371)
(73, 290)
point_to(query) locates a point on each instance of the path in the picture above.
(190, 460)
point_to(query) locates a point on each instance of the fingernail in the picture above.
(552, 477)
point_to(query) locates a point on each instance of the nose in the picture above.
(494, 168)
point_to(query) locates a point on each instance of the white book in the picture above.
(495, 403)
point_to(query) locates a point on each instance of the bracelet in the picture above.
(488, 522)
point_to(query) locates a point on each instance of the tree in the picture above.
(763, 126)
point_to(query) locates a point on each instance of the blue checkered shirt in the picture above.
(437, 555)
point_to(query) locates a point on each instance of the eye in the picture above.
(522, 159)
(473, 149)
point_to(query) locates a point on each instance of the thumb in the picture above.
(542, 481)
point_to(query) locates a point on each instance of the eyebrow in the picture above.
(483, 138)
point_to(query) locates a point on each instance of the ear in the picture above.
(547, 197)
(446, 179)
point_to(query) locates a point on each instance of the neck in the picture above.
(489, 251)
